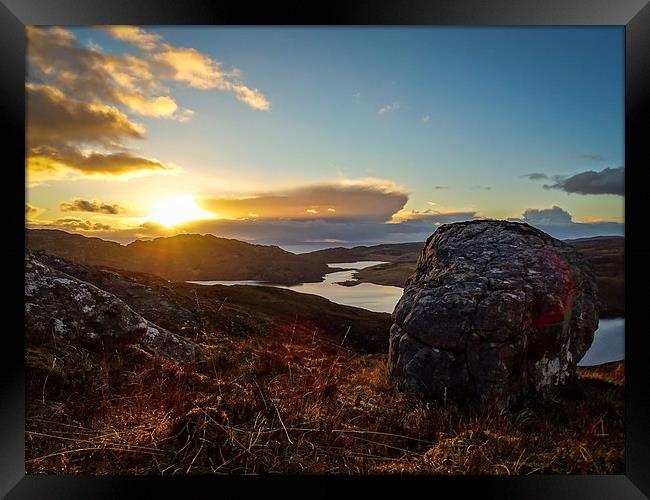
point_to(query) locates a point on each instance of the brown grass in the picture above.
(293, 401)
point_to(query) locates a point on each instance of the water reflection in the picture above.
(377, 298)
(608, 344)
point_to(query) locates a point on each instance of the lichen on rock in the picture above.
(60, 306)
(494, 311)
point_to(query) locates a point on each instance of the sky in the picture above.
(316, 137)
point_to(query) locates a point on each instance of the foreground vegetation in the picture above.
(294, 401)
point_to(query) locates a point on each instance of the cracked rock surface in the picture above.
(495, 311)
(62, 306)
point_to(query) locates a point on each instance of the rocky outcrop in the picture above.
(58, 305)
(150, 296)
(494, 311)
(196, 310)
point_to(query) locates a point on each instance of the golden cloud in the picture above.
(135, 82)
(31, 211)
(86, 135)
(81, 225)
(134, 35)
(253, 97)
(155, 107)
(90, 75)
(58, 127)
(94, 206)
(78, 99)
(189, 66)
(369, 199)
(54, 119)
(50, 163)
(435, 216)
(200, 71)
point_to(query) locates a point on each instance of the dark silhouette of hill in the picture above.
(390, 252)
(183, 257)
(607, 253)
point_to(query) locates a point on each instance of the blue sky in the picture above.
(454, 117)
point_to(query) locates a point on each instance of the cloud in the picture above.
(199, 71)
(426, 118)
(80, 225)
(253, 97)
(361, 199)
(134, 35)
(45, 164)
(94, 206)
(388, 108)
(607, 181)
(155, 107)
(348, 211)
(545, 216)
(189, 66)
(436, 217)
(89, 75)
(404, 227)
(54, 119)
(301, 231)
(535, 176)
(437, 188)
(482, 188)
(559, 223)
(590, 157)
(136, 82)
(57, 127)
(31, 211)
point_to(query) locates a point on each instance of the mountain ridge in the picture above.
(183, 257)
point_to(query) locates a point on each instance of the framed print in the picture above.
(388, 244)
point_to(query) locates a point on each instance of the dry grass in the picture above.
(293, 401)
(612, 373)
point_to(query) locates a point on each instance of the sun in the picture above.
(176, 209)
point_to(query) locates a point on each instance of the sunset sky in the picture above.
(323, 136)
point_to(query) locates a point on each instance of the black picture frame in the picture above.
(633, 14)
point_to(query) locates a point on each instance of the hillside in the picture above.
(238, 310)
(183, 257)
(291, 383)
(398, 252)
(205, 257)
(607, 253)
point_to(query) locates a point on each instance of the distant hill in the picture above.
(183, 257)
(607, 253)
(390, 252)
(238, 310)
(188, 257)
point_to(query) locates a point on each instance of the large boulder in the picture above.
(495, 311)
(60, 306)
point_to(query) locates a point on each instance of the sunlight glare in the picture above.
(176, 209)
